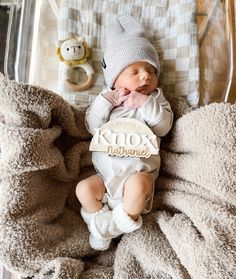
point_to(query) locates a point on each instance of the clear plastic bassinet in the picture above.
(32, 33)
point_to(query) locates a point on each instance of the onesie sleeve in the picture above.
(157, 113)
(98, 113)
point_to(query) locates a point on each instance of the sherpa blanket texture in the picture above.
(191, 232)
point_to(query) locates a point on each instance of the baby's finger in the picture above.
(123, 92)
(122, 99)
(125, 104)
(127, 91)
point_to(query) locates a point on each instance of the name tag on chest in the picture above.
(125, 137)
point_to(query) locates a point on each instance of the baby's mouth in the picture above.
(142, 88)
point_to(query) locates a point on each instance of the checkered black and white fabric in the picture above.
(171, 28)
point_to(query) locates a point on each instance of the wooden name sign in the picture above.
(125, 137)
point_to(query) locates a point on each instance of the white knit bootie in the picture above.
(123, 221)
(102, 228)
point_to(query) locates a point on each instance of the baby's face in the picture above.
(139, 76)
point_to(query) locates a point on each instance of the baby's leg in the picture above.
(137, 188)
(126, 215)
(90, 192)
(97, 216)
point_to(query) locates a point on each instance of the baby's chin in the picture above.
(144, 90)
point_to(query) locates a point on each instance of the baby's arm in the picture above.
(99, 111)
(157, 113)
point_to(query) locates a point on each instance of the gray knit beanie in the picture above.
(124, 43)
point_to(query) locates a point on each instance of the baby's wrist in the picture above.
(109, 96)
(142, 99)
(146, 104)
(145, 98)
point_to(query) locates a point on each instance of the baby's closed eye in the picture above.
(132, 72)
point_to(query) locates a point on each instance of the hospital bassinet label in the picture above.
(125, 137)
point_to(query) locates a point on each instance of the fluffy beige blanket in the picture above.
(191, 232)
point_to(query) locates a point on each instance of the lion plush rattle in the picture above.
(74, 53)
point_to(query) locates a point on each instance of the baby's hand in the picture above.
(135, 100)
(117, 96)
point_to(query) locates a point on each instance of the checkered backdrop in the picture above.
(214, 57)
(171, 28)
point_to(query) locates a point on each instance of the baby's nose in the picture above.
(144, 75)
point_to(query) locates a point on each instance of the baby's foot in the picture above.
(101, 227)
(102, 224)
(123, 222)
